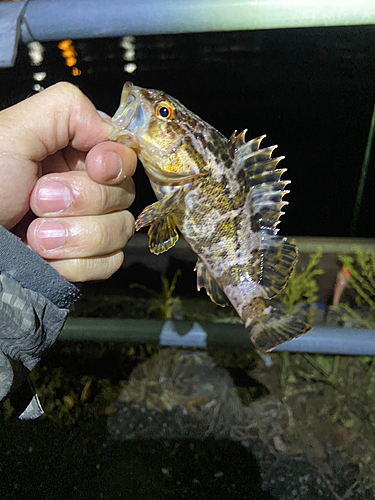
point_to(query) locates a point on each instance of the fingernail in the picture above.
(52, 235)
(53, 196)
(112, 166)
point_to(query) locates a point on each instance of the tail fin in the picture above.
(275, 328)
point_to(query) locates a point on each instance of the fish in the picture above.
(225, 196)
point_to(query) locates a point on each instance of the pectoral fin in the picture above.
(159, 209)
(204, 279)
(163, 235)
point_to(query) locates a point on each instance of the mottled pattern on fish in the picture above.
(225, 196)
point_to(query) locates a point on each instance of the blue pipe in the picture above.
(58, 19)
(320, 340)
(348, 341)
(10, 30)
(45, 20)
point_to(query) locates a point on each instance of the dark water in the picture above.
(89, 466)
(310, 90)
(147, 450)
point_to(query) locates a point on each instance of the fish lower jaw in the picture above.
(124, 138)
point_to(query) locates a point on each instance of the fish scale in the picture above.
(225, 196)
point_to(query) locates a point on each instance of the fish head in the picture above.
(167, 137)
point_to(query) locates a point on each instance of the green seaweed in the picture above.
(302, 291)
(362, 269)
(302, 288)
(163, 301)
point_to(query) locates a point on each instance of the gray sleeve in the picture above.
(34, 301)
(17, 261)
(29, 325)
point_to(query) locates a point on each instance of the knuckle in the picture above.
(70, 269)
(76, 270)
(111, 264)
(128, 225)
(89, 269)
(99, 268)
(112, 231)
(103, 197)
(92, 197)
(129, 190)
(88, 196)
(100, 234)
(67, 89)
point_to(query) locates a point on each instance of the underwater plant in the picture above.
(361, 267)
(163, 301)
(302, 288)
(300, 292)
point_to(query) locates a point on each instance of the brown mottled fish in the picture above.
(225, 196)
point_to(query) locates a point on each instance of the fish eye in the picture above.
(165, 110)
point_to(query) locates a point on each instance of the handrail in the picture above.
(322, 340)
(58, 19)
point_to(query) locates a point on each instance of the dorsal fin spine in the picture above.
(264, 180)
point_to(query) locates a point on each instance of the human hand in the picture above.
(55, 158)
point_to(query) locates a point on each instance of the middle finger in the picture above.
(77, 237)
(75, 193)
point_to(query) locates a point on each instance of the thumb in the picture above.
(36, 128)
(41, 125)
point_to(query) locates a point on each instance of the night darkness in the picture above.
(311, 91)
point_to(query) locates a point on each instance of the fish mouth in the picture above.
(129, 117)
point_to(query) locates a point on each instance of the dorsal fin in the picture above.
(263, 179)
(238, 140)
(266, 190)
(233, 136)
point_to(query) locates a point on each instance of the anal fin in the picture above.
(205, 280)
(162, 235)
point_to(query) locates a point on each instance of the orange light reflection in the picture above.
(70, 61)
(64, 44)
